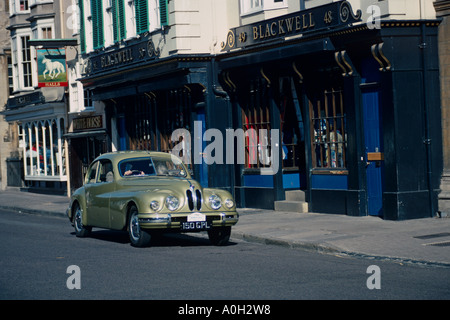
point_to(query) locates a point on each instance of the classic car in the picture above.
(146, 193)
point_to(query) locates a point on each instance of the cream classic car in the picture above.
(145, 192)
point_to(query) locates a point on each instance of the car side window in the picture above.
(92, 174)
(105, 172)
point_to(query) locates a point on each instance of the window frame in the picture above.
(26, 77)
(255, 116)
(264, 5)
(328, 153)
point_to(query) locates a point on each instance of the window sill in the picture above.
(329, 171)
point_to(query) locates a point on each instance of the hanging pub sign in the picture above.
(52, 71)
(329, 16)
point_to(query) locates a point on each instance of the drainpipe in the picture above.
(427, 140)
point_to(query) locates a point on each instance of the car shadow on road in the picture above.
(158, 240)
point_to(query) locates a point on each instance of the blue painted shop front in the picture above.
(359, 147)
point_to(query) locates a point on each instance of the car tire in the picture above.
(219, 236)
(138, 237)
(81, 231)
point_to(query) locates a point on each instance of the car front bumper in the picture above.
(183, 222)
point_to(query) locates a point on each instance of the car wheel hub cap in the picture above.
(135, 229)
(78, 223)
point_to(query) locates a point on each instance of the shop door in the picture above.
(374, 151)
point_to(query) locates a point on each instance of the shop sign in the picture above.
(87, 123)
(303, 22)
(135, 51)
(51, 65)
(25, 99)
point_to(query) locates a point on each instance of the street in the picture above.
(38, 255)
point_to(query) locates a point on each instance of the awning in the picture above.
(265, 54)
(84, 134)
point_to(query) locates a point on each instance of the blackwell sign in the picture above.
(324, 17)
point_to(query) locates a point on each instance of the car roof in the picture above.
(121, 155)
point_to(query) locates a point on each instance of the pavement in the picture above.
(420, 241)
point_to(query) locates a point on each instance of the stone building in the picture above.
(10, 173)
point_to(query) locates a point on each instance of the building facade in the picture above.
(37, 106)
(338, 101)
(353, 88)
(9, 172)
(148, 69)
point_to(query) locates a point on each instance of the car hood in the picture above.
(159, 182)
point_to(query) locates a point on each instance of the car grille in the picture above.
(194, 198)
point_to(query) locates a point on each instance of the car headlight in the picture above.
(172, 203)
(154, 205)
(229, 203)
(215, 201)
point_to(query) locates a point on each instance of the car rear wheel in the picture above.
(219, 236)
(138, 236)
(80, 230)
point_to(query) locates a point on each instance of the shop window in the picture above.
(256, 125)
(43, 150)
(328, 129)
(174, 115)
(292, 127)
(140, 125)
(155, 118)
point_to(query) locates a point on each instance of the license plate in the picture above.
(196, 225)
(196, 216)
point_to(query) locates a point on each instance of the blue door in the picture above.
(201, 168)
(374, 150)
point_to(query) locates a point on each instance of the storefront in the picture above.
(87, 138)
(146, 98)
(357, 111)
(41, 118)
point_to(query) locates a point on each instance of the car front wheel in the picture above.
(219, 236)
(138, 236)
(80, 230)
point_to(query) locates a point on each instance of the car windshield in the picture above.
(151, 166)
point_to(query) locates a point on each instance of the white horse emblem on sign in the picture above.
(54, 68)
